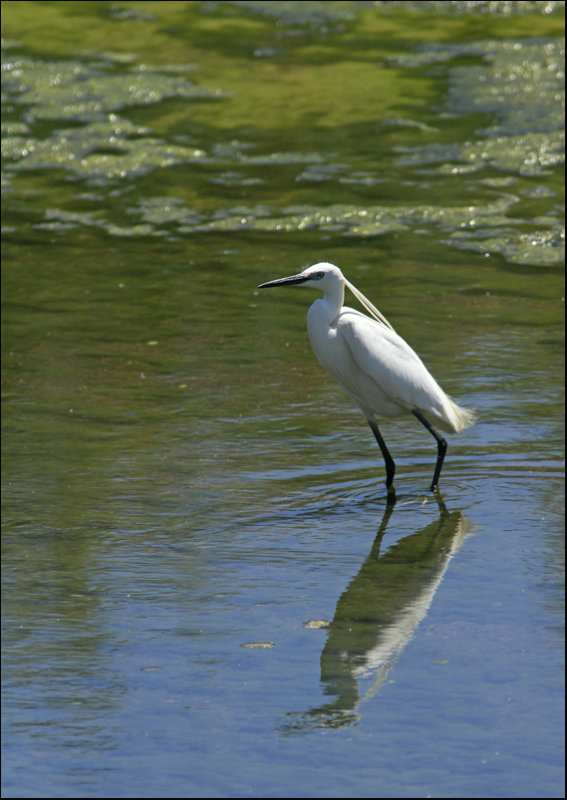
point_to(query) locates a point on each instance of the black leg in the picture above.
(388, 460)
(441, 448)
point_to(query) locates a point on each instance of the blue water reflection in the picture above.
(377, 614)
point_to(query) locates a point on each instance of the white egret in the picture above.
(374, 365)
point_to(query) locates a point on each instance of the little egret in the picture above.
(375, 366)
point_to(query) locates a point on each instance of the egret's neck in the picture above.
(332, 301)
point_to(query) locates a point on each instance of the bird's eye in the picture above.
(320, 275)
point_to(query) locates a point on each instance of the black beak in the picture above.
(291, 281)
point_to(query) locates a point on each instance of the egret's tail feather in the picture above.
(458, 417)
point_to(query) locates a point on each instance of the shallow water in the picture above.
(205, 593)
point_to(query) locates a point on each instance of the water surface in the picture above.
(205, 593)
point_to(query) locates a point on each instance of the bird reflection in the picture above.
(377, 614)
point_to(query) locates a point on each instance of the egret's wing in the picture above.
(380, 357)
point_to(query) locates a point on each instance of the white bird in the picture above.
(375, 366)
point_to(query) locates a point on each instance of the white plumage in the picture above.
(374, 365)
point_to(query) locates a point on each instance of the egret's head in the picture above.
(323, 276)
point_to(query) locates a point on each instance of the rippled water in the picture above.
(205, 593)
